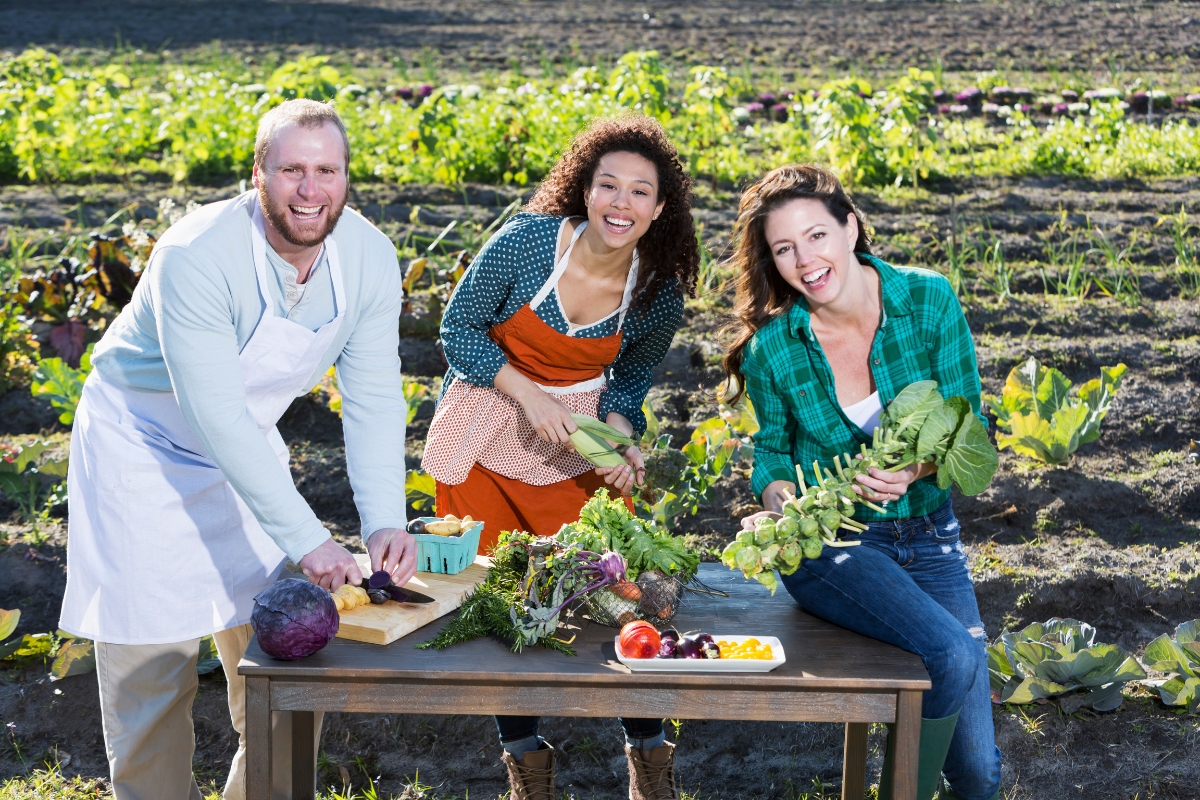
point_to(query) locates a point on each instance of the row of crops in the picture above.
(197, 124)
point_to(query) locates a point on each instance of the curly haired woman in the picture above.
(827, 335)
(568, 308)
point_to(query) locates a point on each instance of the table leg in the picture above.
(304, 762)
(258, 738)
(854, 761)
(908, 745)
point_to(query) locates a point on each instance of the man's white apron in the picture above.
(160, 547)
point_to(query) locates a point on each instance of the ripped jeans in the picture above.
(909, 585)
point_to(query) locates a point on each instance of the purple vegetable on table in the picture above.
(293, 619)
(689, 649)
(669, 648)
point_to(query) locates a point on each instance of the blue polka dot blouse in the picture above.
(507, 273)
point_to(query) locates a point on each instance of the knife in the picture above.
(408, 595)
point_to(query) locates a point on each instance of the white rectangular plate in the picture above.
(707, 664)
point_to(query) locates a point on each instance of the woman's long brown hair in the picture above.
(669, 248)
(762, 294)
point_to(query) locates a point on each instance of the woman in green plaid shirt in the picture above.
(828, 336)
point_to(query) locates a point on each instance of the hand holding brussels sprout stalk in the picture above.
(918, 428)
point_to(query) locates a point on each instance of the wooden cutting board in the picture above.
(383, 624)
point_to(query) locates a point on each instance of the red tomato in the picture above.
(639, 639)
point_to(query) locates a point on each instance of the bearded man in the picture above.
(182, 507)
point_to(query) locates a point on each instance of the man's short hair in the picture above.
(306, 114)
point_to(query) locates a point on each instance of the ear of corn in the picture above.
(595, 449)
(601, 429)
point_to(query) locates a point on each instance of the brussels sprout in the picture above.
(786, 526)
(807, 504)
(746, 536)
(768, 556)
(827, 499)
(747, 557)
(790, 554)
(831, 519)
(790, 510)
(809, 527)
(764, 536)
(812, 548)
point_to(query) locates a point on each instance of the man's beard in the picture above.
(281, 221)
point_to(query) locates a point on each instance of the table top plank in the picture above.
(820, 656)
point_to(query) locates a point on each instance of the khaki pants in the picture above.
(146, 694)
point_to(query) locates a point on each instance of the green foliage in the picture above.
(207, 659)
(608, 525)
(198, 124)
(680, 481)
(421, 489)
(73, 657)
(34, 483)
(414, 394)
(18, 349)
(61, 384)
(1045, 421)
(1179, 656)
(1057, 657)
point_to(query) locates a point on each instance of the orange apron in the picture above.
(513, 480)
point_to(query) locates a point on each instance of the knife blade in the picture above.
(408, 595)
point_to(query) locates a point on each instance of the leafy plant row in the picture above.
(198, 125)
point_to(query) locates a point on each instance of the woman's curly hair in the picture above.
(669, 248)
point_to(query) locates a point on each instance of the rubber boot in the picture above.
(935, 743)
(652, 773)
(531, 777)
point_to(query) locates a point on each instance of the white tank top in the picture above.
(865, 413)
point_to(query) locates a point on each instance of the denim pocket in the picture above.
(948, 531)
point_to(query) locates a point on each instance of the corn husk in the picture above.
(601, 429)
(595, 449)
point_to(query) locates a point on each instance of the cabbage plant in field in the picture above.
(1056, 657)
(1179, 656)
(1044, 420)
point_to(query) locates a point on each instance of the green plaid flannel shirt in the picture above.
(923, 335)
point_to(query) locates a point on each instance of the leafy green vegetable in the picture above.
(1045, 421)
(608, 525)
(917, 427)
(1057, 657)
(61, 384)
(1181, 657)
(34, 483)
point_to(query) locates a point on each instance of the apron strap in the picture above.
(258, 237)
(561, 267)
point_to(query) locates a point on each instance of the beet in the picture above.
(293, 619)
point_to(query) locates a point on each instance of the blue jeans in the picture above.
(908, 584)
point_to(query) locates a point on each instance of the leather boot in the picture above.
(935, 743)
(652, 773)
(531, 777)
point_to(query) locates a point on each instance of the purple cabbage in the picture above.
(293, 619)
(754, 108)
(424, 90)
(780, 112)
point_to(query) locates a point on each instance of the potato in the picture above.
(447, 527)
(338, 602)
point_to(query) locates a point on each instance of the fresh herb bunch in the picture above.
(608, 525)
(918, 427)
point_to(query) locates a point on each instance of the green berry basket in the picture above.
(447, 555)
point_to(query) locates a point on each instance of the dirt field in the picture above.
(1111, 540)
(474, 35)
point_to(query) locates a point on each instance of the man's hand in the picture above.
(394, 550)
(331, 565)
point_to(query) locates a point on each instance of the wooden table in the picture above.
(831, 675)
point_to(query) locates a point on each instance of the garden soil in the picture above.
(1111, 540)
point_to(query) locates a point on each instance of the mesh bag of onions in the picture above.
(654, 597)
